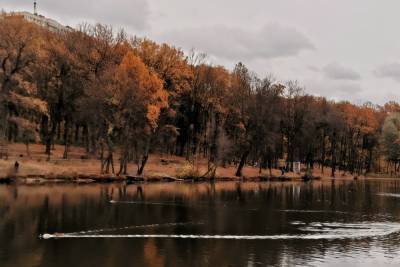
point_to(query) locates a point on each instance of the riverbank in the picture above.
(78, 168)
(84, 179)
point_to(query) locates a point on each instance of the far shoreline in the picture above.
(139, 180)
(37, 169)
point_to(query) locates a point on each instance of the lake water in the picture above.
(322, 223)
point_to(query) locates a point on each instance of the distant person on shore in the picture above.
(16, 166)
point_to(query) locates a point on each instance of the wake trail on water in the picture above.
(155, 225)
(147, 203)
(389, 195)
(313, 211)
(174, 204)
(310, 231)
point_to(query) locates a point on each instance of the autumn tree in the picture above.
(295, 110)
(20, 44)
(20, 107)
(137, 96)
(390, 139)
(206, 112)
(61, 77)
(171, 66)
(264, 112)
(237, 123)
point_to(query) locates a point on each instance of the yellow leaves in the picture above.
(19, 44)
(27, 87)
(29, 103)
(153, 112)
(23, 123)
(363, 118)
(28, 129)
(210, 87)
(368, 120)
(138, 87)
(169, 63)
(132, 74)
(159, 96)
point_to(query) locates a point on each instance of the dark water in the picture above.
(352, 223)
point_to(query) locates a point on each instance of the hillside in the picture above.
(128, 98)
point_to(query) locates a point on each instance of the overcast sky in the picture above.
(342, 49)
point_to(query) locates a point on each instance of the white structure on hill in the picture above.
(40, 20)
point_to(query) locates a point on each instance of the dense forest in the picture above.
(114, 94)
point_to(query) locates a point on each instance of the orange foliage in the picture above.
(136, 83)
(168, 62)
(360, 118)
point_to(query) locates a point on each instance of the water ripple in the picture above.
(312, 231)
(388, 195)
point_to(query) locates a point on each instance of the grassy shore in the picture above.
(77, 168)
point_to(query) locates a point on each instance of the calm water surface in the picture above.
(346, 223)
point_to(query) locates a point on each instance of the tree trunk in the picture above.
(323, 152)
(241, 164)
(66, 126)
(123, 163)
(143, 164)
(76, 133)
(58, 131)
(49, 139)
(333, 152)
(28, 153)
(109, 162)
(214, 144)
(145, 157)
(86, 138)
(369, 161)
(270, 169)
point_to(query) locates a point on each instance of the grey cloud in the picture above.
(348, 89)
(313, 68)
(272, 41)
(391, 70)
(127, 13)
(337, 87)
(336, 71)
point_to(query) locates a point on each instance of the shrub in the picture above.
(187, 170)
